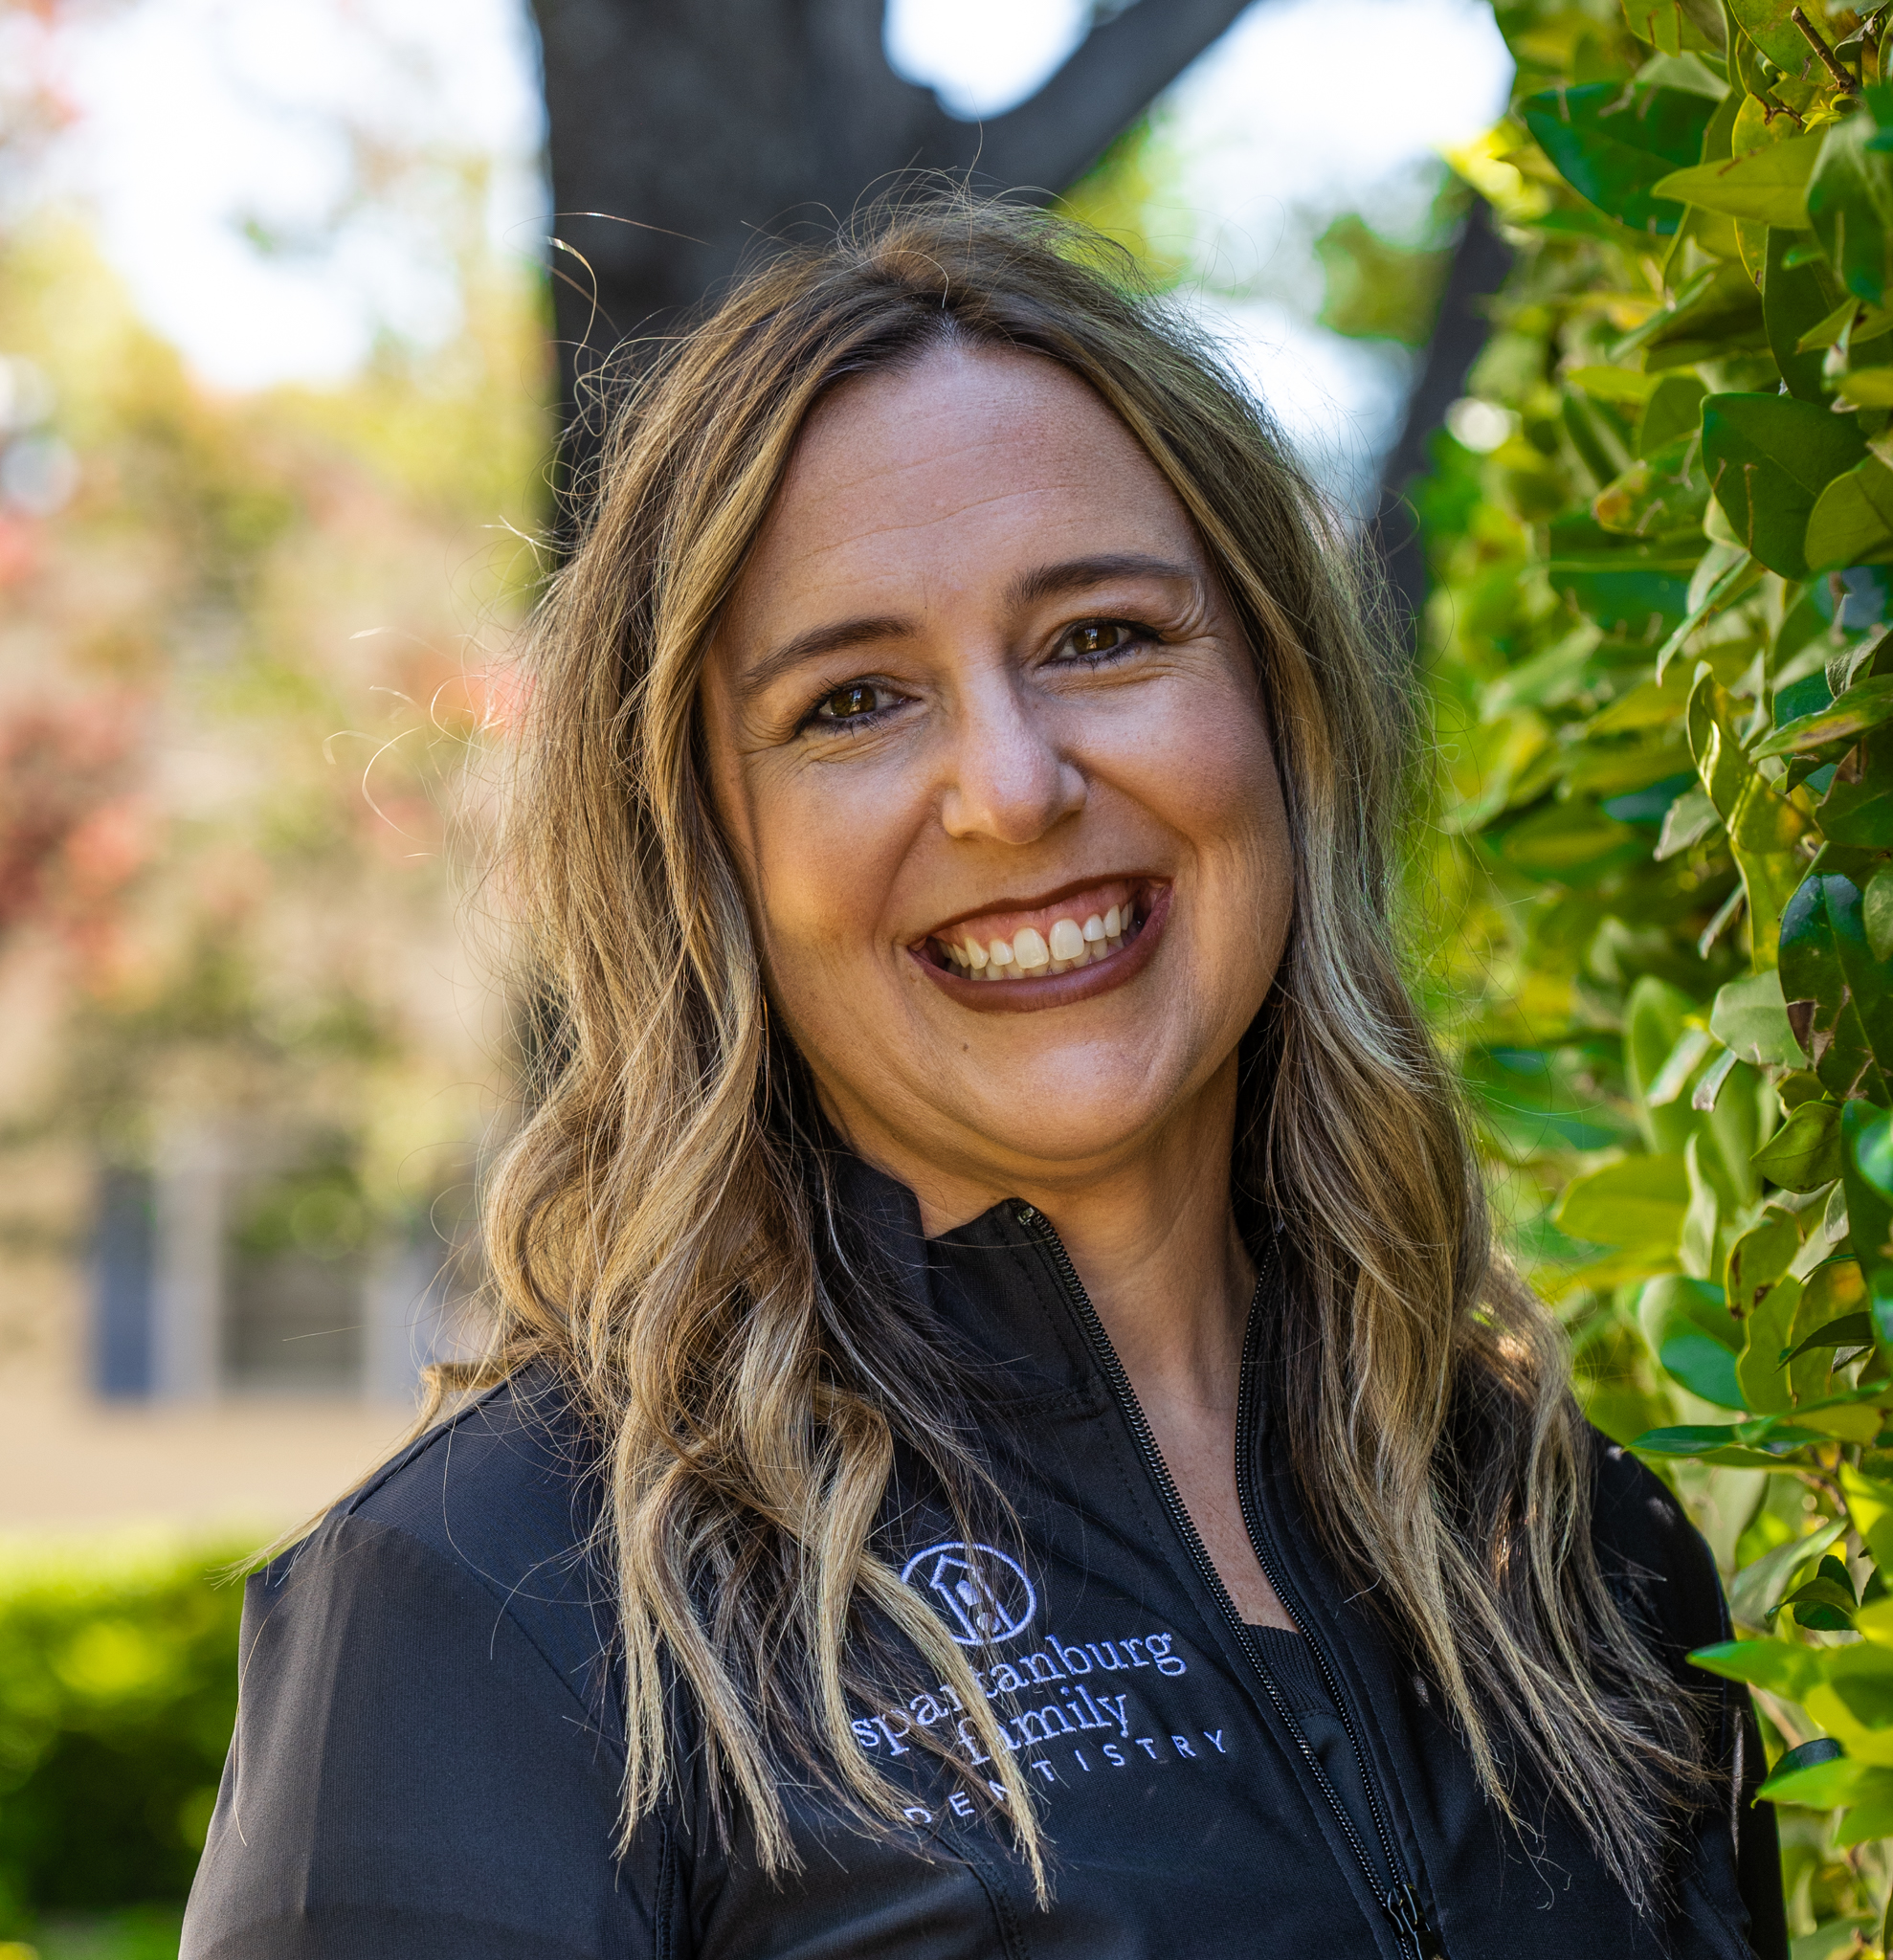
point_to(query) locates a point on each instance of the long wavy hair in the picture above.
(658, 1231)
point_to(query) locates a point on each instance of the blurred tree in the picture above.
(679, 132)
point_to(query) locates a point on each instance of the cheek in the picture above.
(825, 854)
(1207, 771)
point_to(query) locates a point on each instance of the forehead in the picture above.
(950, 471)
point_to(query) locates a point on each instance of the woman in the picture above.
(1007, 1433)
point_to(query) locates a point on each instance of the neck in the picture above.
(1153, 1238)
(1170, 1276)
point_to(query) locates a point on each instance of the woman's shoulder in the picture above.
(1651, 1555)
(427, 1759)
(491, 1513)
(513, 1471)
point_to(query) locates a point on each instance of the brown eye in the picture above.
(845, 704)
(1099, 636)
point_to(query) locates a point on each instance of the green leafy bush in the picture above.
(1660, 878)
(117, 1692)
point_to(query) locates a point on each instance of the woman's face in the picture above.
(987, 741)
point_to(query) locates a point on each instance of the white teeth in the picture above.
(1065, 945)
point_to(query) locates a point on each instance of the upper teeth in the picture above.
(1070, 943)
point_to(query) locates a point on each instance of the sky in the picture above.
(214, 145)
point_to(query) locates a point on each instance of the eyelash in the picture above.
(1136, 635)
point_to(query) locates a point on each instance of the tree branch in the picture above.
(1048, 143)
(1480, 260)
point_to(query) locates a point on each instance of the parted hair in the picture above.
(657, 1228)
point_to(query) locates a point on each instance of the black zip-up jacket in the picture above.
(428, 1748)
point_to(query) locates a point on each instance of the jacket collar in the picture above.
(990, 1284)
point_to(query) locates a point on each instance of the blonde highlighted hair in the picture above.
(658, 1228)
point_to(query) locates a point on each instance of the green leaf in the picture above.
(1829, 327)
(1834, 1290)
(1865, 388)
(1716, 314)
(1861, 707)
(1758, 1585)
(1568, 840)
(1850, 1330)
(1768, 1387)
(1758, 1260)
(1659, 493)
(1694, 1336)
(1731, 572)
(1850, 205)
(1805, 1152)
(1796, 300)
(1876, 913)
(1768, 186)
(1858, 808)
(1825, 1786)
(1766, 23)
(1768, 457)
(1832, 1586)
(1776, 1665)
(1852, 521)
(1635, 586)
(1870, 1506)
(1750, 1017)
(1823, 1749)
(1826, 1603)
(1599, 442)
(1869, 1214)
(1636, 1201)
(1612, 144)
(1873, 1154)
(1623, 386)
(1687, 821)
(1763, 826)
(1673, 27)
(1839, 999)
(1674, 407)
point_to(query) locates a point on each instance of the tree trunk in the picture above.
(684, 132)
(1481, 261)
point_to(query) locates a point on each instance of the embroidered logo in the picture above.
(984, 1596)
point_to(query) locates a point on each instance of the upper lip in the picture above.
(1039, 902)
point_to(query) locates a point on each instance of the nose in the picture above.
(1010, 779)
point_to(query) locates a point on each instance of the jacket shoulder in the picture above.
(1655, 1560)
(422, 1762)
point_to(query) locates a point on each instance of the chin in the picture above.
(1080, 1140)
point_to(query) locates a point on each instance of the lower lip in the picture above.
(1055, 989)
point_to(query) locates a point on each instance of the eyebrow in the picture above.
(1044, 582)
(817, 641)
(1081, 574)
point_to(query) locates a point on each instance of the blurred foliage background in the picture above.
(117, 1690)
(249, 676)
(1656, 885)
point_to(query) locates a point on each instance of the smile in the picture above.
(1064, 949)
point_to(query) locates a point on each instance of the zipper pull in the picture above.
(1403, 1908)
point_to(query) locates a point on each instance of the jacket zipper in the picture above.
(1398, 1899)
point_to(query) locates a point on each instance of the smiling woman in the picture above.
(1007, 1431)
